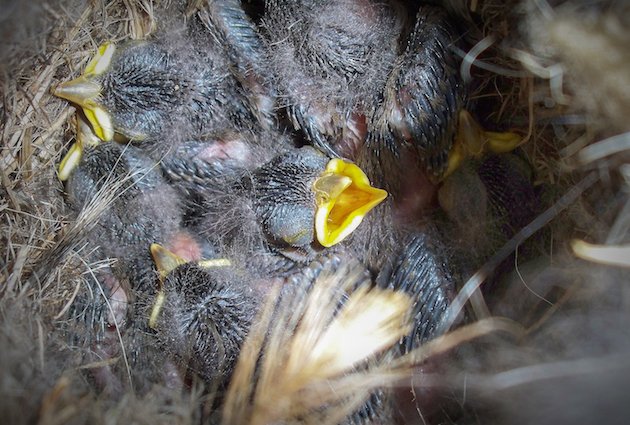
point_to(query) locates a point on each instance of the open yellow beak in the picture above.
(344, 196)
(165, 262)
(85, 137)
(85, 92)
(472, 141)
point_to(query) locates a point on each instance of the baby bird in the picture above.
(131, 206)
(192, 78)
(203, 312)
(206, 311)
(142, 207)
(487, 201)
(349, 68)
(423, 95)
(294, 204)
(186, 84)
(330, 60)
(145, 89)
(364, 83)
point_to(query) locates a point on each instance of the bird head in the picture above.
(472, 141)
(202, 313)
(302, 194)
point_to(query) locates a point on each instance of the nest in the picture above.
(558, 74)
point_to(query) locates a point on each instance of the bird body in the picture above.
(357, 72)
(183, 85)
(165, 87)
(387, 96)
(424, 93)
(113, 310)
(329, 61)
(218, 176)
(205, 318)
(425, 270)
(487, 201)
(143, 208)
(294, 205)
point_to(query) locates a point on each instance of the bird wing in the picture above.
(424, 92)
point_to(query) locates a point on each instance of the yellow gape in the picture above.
(343, 196)
(472, 141)
(85, 137)
(84, 91)
(167, 261)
